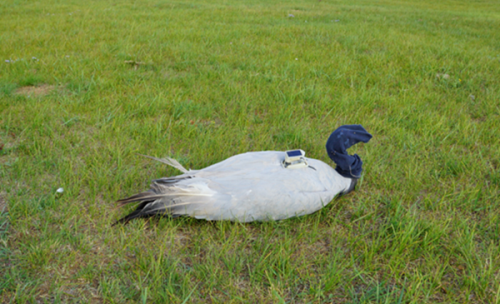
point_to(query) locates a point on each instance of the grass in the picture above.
(204, 80)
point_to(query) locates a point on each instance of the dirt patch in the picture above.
(37, 91)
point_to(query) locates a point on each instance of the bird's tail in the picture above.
(158, 199)
(166, 197)
(138, 213)
(146, 201)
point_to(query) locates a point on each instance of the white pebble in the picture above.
(60, 190)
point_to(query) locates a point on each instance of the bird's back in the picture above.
(255, 186)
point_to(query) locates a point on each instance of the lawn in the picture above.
(87, 86)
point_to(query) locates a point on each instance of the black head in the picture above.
(338, 143)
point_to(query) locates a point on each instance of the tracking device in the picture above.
(294, 159)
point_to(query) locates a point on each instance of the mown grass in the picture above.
(201, 81)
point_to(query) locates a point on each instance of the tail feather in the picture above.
(143, 212)
(159, 188)
(168, 161)
(136, 213)
(141, 197)
(170, 198)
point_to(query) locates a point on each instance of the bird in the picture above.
(255, 186)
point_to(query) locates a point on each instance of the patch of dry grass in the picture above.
(35, 91)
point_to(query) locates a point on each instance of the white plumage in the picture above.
(247, 187)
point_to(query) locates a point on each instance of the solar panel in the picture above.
(294, 153)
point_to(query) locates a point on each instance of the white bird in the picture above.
(255, 186)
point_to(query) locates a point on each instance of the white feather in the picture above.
(169, 161)
(248, 187)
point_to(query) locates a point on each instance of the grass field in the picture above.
(85, 86)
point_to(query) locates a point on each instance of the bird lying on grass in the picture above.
(255, 186)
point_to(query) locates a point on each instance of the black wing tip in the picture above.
(136, 213)
(140, 213)
(126, 219)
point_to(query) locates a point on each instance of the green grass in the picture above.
(218, 78)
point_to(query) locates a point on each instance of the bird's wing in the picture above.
(254, 186)
(245, 187)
